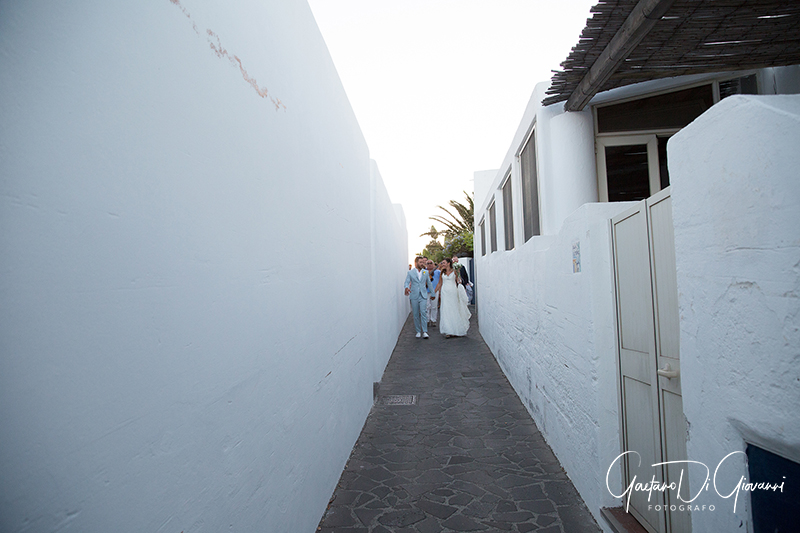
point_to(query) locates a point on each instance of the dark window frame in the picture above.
(508, 213)
(529, 176)
(493, 226)
(482, 228)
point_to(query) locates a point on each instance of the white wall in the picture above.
(482, 182)
(736, 210)
(175, 355)
(389, 251)
(552, 330)
(553, 333)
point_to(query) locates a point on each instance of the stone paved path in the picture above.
(466, 457)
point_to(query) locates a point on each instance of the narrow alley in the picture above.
(465, 455)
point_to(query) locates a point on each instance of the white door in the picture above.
(667, 336)
(648, 357)
(637, 363)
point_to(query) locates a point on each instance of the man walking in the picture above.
(417, 285)
(433, 296)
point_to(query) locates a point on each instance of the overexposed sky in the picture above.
(439, 86)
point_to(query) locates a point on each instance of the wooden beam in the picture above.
(641, 20)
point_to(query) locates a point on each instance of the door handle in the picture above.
(667, 372)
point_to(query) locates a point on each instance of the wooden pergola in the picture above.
(629, 41)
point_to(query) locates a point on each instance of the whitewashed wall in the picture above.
(174, 354)
(482, 181)
(565, 163)
(389, 254)
(552, 330)
(553, 333)
(736, 210)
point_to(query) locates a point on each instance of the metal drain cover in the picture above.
(400, 399)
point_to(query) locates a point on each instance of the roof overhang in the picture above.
(630, 41)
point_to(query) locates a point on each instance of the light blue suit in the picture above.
(419, 287)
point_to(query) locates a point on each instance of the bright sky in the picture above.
(439, 86)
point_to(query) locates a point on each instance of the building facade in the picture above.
(610, 247)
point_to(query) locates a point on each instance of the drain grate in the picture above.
(400, 399)
(472, 374)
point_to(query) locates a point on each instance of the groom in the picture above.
(417, 284)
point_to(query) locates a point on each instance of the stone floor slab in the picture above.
(466, 457)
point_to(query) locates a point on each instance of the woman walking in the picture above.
(453, 313)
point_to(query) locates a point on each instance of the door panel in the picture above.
(667, 330)
(649, 358)
(636, 348)
(633, 267)
(674, 444)
(638, 398)
(664, 274)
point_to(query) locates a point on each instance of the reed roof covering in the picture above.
(629, 41)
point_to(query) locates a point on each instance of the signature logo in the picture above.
(654, 485)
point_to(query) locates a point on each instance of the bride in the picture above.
(454, 314)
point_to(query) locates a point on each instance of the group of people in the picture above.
(442, 293)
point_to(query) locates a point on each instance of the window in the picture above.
(632, 141)
(482, 228)
(493, 227)
(743, 85)
(629, 167)
(664, 111)
(508, 214)
(662, 161)
(530, 187)
(627, 172)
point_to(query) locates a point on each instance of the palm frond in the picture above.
(433, 233)
(460, 219)
(451, 226)
(455, 220)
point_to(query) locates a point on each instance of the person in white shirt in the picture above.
(433, 298)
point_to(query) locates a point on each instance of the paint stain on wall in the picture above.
(216, 45)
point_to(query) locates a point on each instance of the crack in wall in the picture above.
(222, 53)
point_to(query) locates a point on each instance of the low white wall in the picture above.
(736, 201)
(175, 354)
(552, 331)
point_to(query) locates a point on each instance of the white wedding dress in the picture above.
(453, 312)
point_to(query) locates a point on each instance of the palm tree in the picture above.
(464, 222)
(433, 233)
(458, 232)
